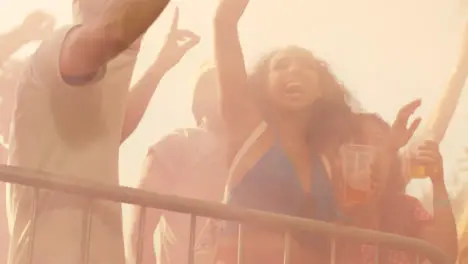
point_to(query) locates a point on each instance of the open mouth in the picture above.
(294, 89)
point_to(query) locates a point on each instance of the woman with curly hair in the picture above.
(281, 119)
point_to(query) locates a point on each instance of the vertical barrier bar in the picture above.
(32, 230)
(376, 256)
(141, 233)
(87, 224)
(333, 250)
(287, 248)
(193, 229)
(240, 245)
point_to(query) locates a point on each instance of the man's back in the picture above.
(71, 131)
(194, 166)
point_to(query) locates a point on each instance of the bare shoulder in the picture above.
(417, 209)
(79, 62)
(168, 157)
(177, 145)
(177, 138)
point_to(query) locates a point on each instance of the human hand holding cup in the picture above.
(415, 165)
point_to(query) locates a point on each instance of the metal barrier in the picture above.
(193, 207)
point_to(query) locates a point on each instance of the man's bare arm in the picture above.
(440, 118)
(90, 46)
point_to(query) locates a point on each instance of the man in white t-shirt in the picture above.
(188, 163)
(69, 121)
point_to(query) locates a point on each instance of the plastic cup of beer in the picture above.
(412, 168)
(356, 163)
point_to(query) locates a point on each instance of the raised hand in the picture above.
(231, 10)
(400, 133)
(178, 42)
(37, 25)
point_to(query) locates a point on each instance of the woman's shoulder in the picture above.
(177, 138)
(179, 145)
(239, 146)
(238, 153)
(417, 209)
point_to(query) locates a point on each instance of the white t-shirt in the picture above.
(71, 132)
(194, 162)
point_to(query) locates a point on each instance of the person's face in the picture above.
(293, 80)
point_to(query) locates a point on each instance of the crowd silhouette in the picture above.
(277, 139)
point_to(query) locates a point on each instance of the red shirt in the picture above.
(418, 217)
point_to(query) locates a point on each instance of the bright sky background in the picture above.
(387, 52)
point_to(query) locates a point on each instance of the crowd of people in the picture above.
(271, 139)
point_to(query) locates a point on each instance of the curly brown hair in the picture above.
(332, 114)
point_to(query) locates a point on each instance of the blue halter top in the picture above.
(271, 185)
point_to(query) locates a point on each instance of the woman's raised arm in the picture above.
(237, 106)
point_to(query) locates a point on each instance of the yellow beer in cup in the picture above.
(412, 168)
(417, 171)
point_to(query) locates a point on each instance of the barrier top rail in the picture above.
(143, 198)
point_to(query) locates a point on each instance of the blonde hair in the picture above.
(206, 79)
